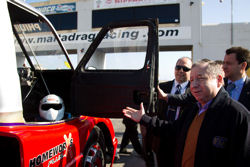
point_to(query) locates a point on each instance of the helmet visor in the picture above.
(49, 106)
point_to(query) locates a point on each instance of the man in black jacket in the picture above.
(213, 133)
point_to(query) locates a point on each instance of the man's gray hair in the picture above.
(213, 68)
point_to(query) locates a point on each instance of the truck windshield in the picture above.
(41, 46)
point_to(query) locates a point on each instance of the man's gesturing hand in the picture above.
(134, 114)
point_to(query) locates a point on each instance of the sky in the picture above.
(215, 11)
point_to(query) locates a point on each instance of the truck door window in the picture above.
(112, 55)
(41, 46)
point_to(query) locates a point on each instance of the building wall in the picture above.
(208, 41)
(84, 9)
(217, 38)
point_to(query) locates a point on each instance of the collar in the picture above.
(183, 85)
(237, 82)
(204, 108)
(219, 100)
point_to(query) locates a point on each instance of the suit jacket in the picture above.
(167, 86)
(162, 105)
(245, 93)
(224, 136)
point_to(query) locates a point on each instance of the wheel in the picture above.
(94, 152)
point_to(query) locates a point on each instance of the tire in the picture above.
(94, 152)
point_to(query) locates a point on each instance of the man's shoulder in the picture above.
(188, 85)
(237, 107)
(224, 102)
(245, 93)
(166, 84)
(247, 81)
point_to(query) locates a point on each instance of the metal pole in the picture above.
(232, 34)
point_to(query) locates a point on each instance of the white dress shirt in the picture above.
(183, 89)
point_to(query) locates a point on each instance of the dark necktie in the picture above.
(178, 89)
(171, 112)
(230, 87)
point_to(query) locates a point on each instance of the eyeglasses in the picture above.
(185, 69)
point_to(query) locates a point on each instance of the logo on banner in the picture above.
(108, 4)
(108, 1)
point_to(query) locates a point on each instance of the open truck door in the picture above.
(112, 75)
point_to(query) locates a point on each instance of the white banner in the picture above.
(106, 4)
(122, 35)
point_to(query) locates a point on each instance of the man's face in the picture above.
(231, 67)
(203, 87)
(180, 74)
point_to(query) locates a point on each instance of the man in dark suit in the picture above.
(177, 86)
(236, 63)
(171, 113)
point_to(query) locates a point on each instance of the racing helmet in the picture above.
(51, 108)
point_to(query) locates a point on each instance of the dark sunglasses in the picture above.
(49, 106)
(185, 69)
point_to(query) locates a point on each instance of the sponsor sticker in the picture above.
(54, 154)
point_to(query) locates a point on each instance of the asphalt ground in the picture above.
(126, 160)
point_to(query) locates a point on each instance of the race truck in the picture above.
(38, 78)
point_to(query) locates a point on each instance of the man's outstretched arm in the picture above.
(159, 127)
